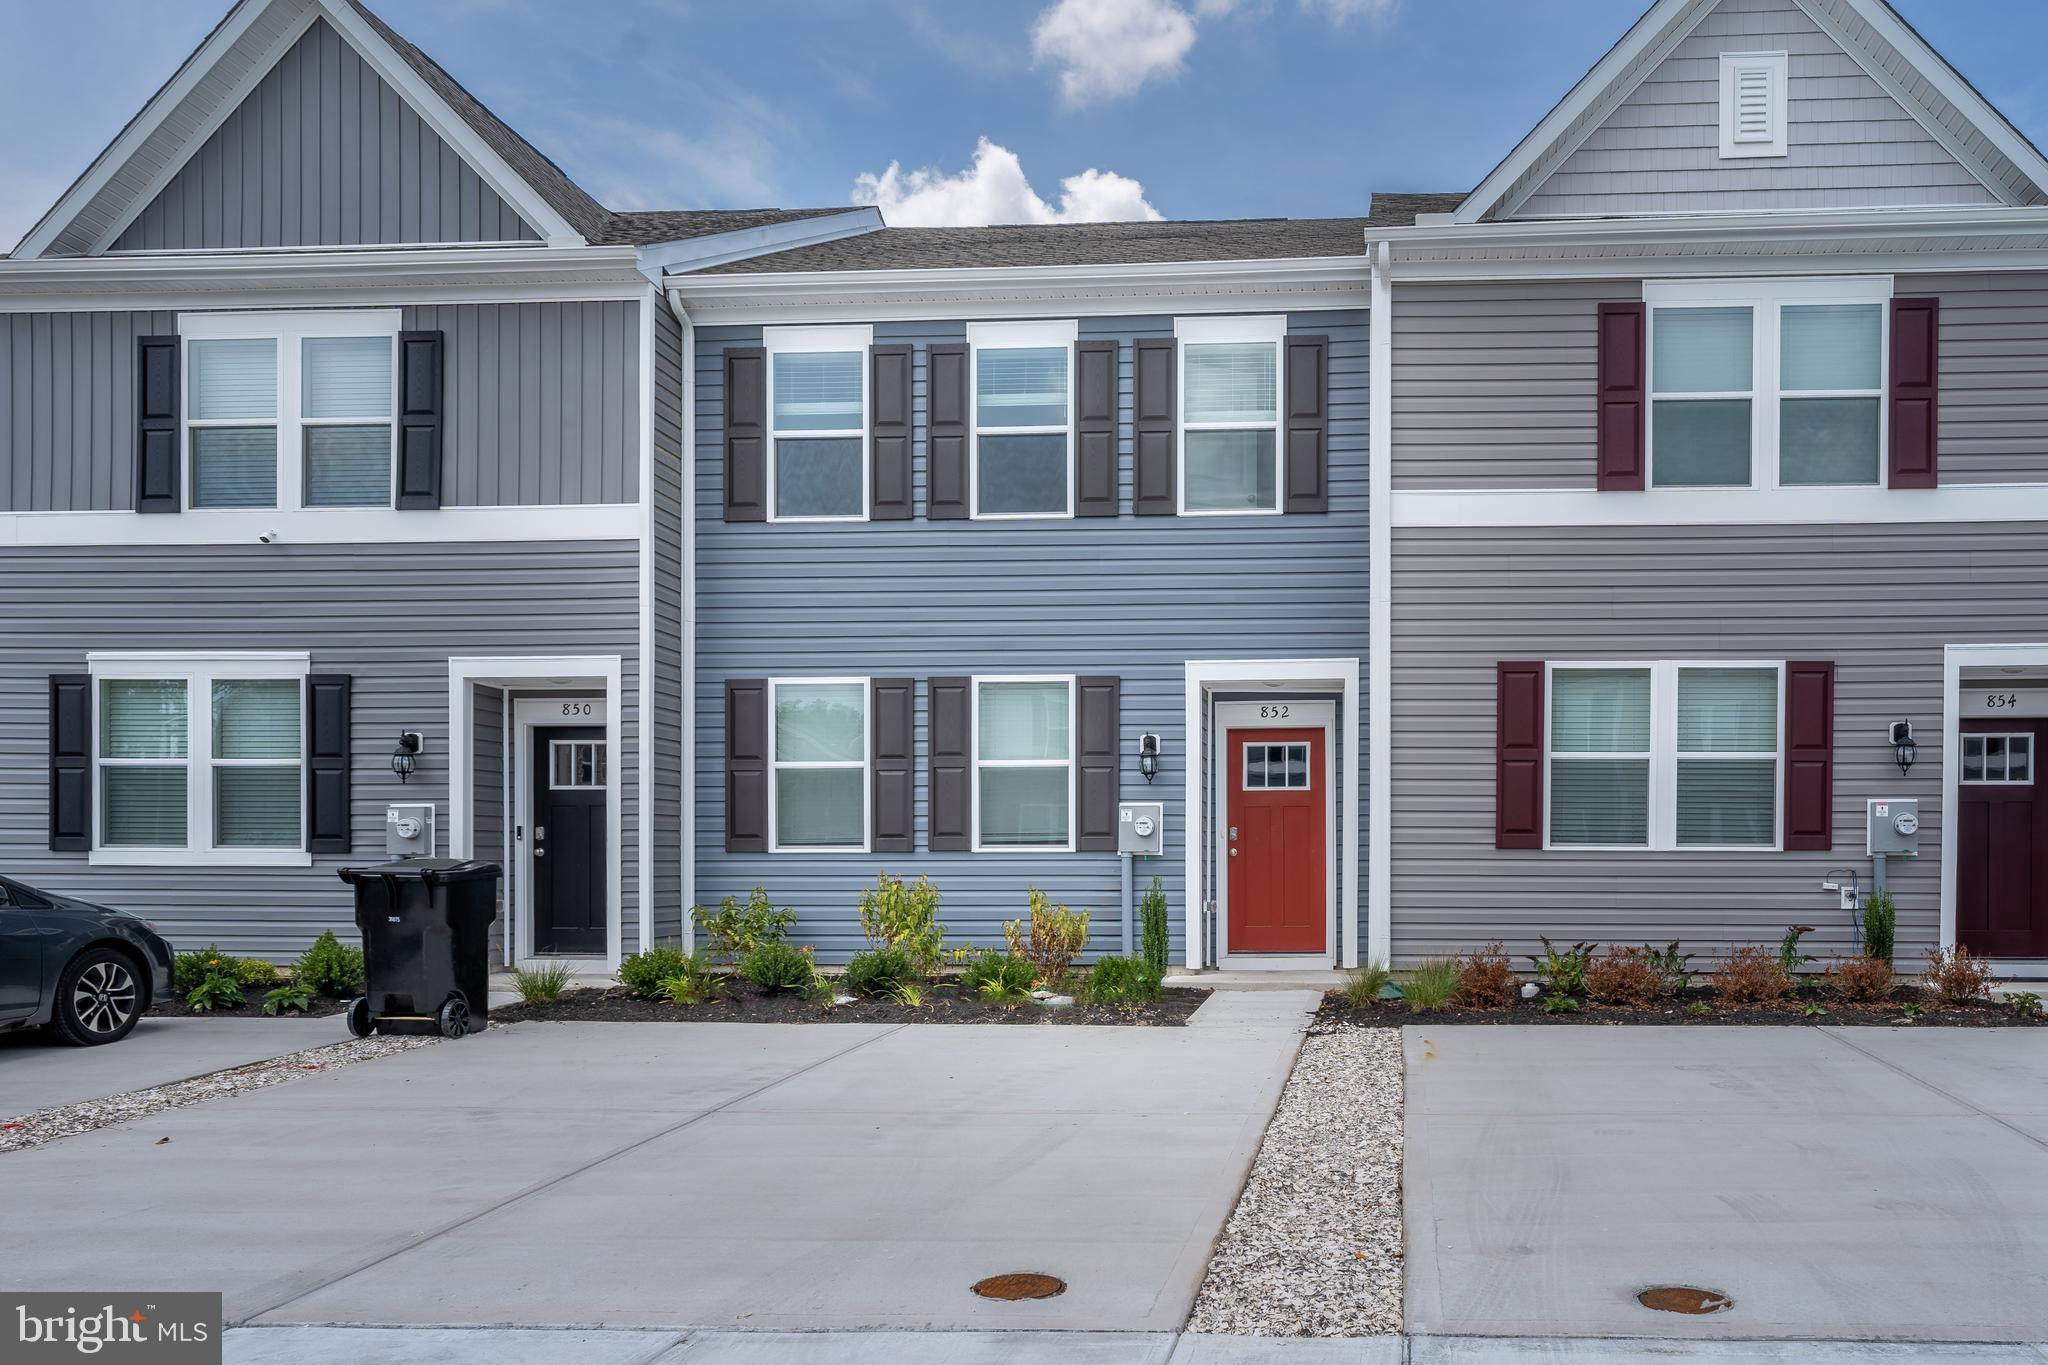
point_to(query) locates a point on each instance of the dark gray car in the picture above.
(85, 970)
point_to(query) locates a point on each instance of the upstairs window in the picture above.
(1230, 414)
(817, 405)
(1023, 413)
(1754, 103)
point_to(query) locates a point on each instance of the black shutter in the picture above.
(746, 764)
(951, 821)
(1305, 464)
(895, 703)
(328, 697)
(1095, 490)
(746, 433)
(421, 368)
(156, 424)
(946, 432)
(889, 431)
(1154, 419)
(1096, 751)
(70, 763)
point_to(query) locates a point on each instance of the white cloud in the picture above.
(1342, 11)
(995, 190)
(1106, 49)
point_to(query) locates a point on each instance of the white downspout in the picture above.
(1380, 651)
(643, 828)
(688, 458)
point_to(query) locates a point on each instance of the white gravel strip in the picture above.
(68, 1120)
(1313, 1248)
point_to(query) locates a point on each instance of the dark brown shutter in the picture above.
(1621, 398)
(894, 703)
(156, 425)
(951, 819)
(889, 497)
(1154, 418)
(946, 432)
(1305, 463)
(1095, 490)
(421, 367)
(746, 765)
(746, 433)
(70, 763)
(328, 697)
(1518, 755)
(1809, 757)
(1096, 746)
(1916, 392)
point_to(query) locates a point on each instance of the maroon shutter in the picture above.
(328, 827)
(950, 822)
(1809, 757)
(746, 433)
(1916, 392)
(1096, 750)
(422, 368)
(156, 424)
(1518, 755)
(746, 765)
(894, 702)
(1095, 490)
(70, 762)
(1305, 462)
(946, 432)
(1154, 417)
(1619, 436)
(889, 431)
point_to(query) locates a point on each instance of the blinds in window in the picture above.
(820, 722)
(1727, 710)
(143, 807)
(1830, 346)
(1024, 721)
(346, 377)
(142, 718)
(817, 392)
(1701, 350)
(1600, 710)
(1026, 387)
(233, 380)
(1231, 382)
(256, 718)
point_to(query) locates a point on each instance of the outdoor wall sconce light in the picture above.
(1148, 756)
(406, 756)
(1904, 750)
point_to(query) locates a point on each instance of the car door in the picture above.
(21, 959)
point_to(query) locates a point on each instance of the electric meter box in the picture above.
(409, 829)
(1141, 828)
(1894, 826)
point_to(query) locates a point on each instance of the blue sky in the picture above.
(1214, 108)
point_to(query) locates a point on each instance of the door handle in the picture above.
(539, 852)
(1233, 853)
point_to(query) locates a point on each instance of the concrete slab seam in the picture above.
(1889, 1065)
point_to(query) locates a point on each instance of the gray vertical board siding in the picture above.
(1465, 599)
(1849, 143)
(1994, 375)
(666, 714)
(322, 153)
(1134, 597)
(488, 816)
(67, 408)
(343, 605)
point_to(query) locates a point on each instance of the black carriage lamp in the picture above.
(1148, 756)
(406, 756)
(1904, 750)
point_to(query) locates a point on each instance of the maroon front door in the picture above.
(2002, 840)
(1276, 842)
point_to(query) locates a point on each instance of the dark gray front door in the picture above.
(21, 960)
(569, 840)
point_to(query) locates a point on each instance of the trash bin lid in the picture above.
(430, 870)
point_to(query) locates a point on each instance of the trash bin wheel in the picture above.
(454, 1017)
(359, 1022)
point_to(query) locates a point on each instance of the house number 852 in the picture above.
(1273, 712)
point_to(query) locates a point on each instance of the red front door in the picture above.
(1275, 845)
(2002, 840)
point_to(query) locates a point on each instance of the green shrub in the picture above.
(1563, 973)
(541, 984)
(1122, 981)
(693, 981)
(881, 973)
(644, 973)
(776, 966)
(1789, 956)
(899, 914)
(330, 967)
(1431, 983)
(291, 996)
(189, 969)
(733, 931)
(220, 989)
(1152, 920)
(1673, 968)
(999, 976)
(255, 972)
(1880, 926)
(1052, 940)
(1364, 985)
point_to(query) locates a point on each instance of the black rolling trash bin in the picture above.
(426, 926)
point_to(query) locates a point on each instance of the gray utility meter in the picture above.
(1894, 826)
(409, 829)
(1141, 828)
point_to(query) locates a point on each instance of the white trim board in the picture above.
(1228, 716)
(529, 713)
(1954, 659)
(644, 769)
(1876, 506)
(1379, 689)
(325, 526)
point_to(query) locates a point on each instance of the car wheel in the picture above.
(99, 998)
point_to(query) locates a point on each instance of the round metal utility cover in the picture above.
(1685, 1298)
(1022, 1285)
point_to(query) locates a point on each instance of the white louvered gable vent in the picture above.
(1753, 103)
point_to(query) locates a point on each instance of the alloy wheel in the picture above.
(104, 997)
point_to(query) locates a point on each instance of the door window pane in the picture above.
(346, 377)
(256, 807)
(234, 466)
(1827, 440)
(1021, 474)
(1698, 443)
(256, 718)
(1231, 471)
(1727, 710)
(818, 478)
(1600, 801)
(818, 391)
(142, 807)
(1702, 350)
(1232, 382)
(1023, 720)
(820, 722)
(1830, 346)
(819, 807)
(1727, 802)
(142, 718)
(576, 765)
(232, 379)
(1024, 807)
(1023, 387)
(1601, 710)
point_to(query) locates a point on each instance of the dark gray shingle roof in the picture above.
(676, 225)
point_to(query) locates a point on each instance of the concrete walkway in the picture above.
(37, 1072)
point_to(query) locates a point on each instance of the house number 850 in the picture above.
(576, 708)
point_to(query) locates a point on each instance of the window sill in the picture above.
(1675, 848)
(200, 857)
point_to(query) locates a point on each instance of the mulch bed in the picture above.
(944, 1003)
(174, 1006)
(1338, 1011)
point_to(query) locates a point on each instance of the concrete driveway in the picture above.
(793, 1176)
(1837, 1183)
(37, 1072)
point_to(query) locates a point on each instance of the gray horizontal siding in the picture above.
(322, 153)
(1134, 597)
(1849, 143)
(1465, 599)
(389, 616)
(1994, 375)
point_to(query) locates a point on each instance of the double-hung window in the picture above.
(818, 430)
(818, 768)
(1023, 763)
(1767, 384)
(199, 758)
(1022, 463)
(1665, 755)
(1230, 414)
(288, 410)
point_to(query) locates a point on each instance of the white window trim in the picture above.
(289, 332)
(1270, 329)
(572, 744)
(1777, 66)
(1246, 767)
(867, 768)
(1767, 300)
(976, 761)
(1016, 336)
(812, 341)
(197, 670)
(2033, 759)
(1663, 754)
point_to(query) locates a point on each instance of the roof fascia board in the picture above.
(1817, 225)
(1949, 261)
(701, 253)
